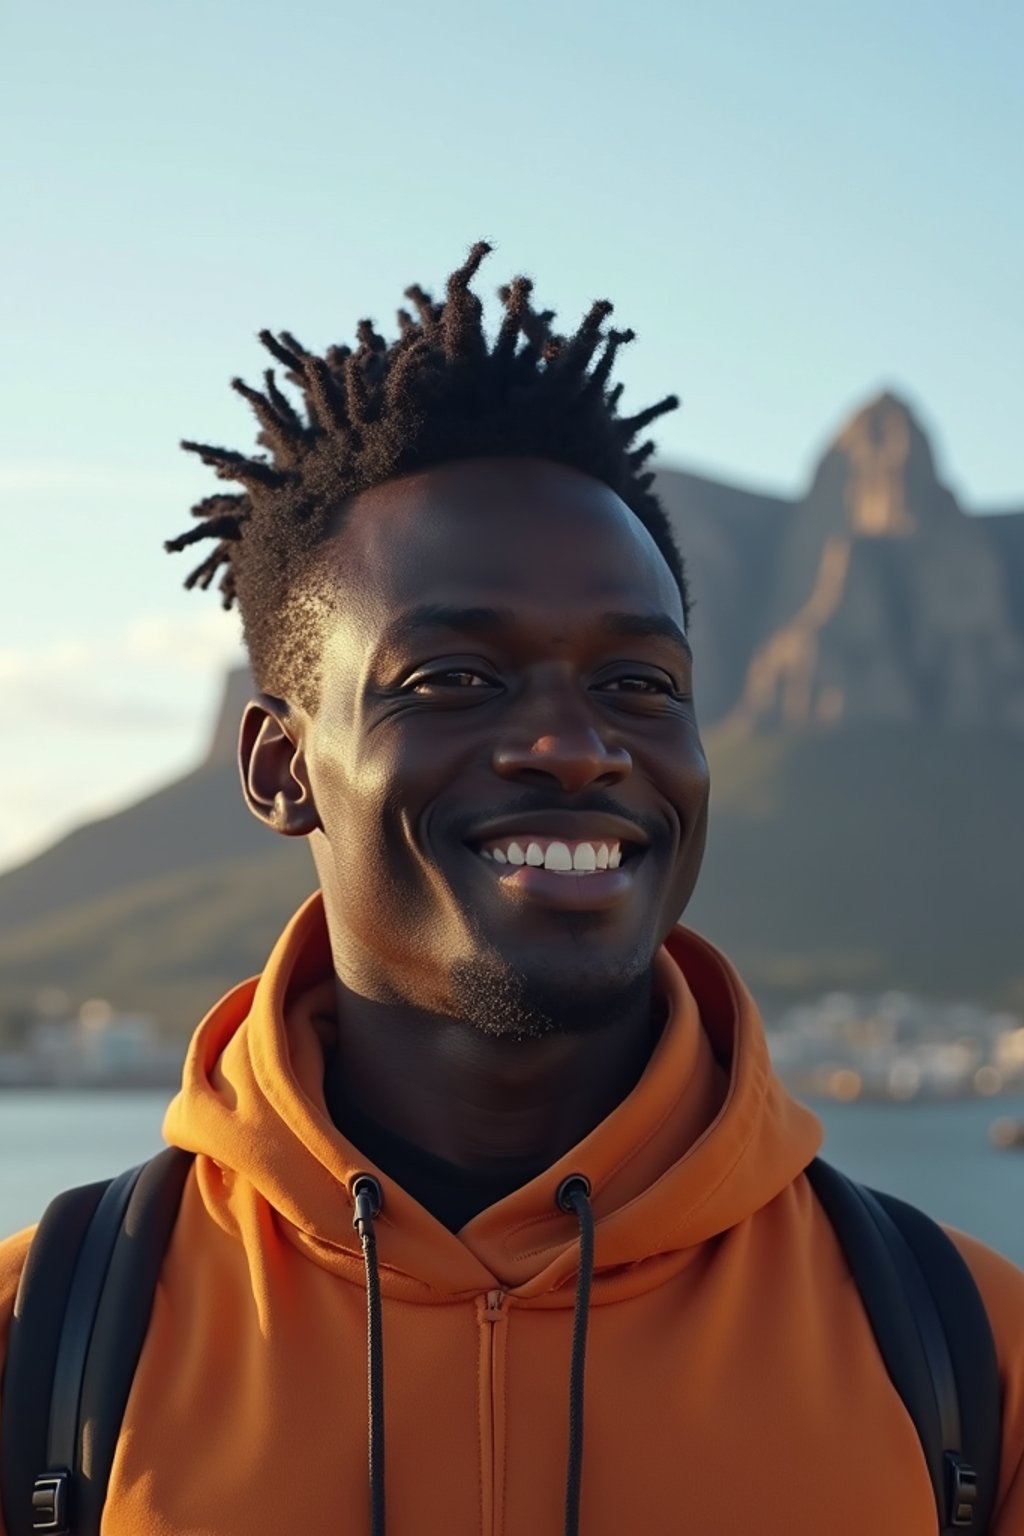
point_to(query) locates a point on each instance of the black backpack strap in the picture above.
(99, 1338)
(971, 1343)
(122, 1319)
(934, 1336)
(32, 1348)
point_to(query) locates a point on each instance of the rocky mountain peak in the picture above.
(886, 603)
(879, 472)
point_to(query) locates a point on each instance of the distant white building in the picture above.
(98, 1045)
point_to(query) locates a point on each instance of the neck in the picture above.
(480, 1102)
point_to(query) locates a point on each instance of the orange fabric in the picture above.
(732, 1381)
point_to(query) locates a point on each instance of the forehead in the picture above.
(527, 530)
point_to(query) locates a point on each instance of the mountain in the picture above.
(860, 685)
(874, 598)
(875, 857)
(160, 907)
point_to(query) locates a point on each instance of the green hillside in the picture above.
(169, 945)
(871, 858)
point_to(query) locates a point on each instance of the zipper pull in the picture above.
(493, 1308)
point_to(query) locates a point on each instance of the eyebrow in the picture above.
(430, 617)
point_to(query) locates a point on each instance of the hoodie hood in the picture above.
(707, 1137)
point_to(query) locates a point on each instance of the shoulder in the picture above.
(1002, 1290)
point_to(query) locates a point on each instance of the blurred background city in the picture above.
(809, 215)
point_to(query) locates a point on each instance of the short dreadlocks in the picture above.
(438, 393)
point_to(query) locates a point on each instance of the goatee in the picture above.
(509, 1003)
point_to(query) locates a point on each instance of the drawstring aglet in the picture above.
(366, 1194)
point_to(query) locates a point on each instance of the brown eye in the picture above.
(430, 679)
(651, 682)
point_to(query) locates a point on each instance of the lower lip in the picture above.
(573, 893)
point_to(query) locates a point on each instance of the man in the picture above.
(548, 1108)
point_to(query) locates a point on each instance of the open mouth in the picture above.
(576, 890)
(558, 856)
(559, 875)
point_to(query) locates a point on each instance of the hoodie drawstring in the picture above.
(369, 1198)
(574, 1195)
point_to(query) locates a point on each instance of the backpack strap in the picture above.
(92, 1326)
(934, 1335)
(972, 1346)
(31, 1356)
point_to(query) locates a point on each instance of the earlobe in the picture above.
(275, 781)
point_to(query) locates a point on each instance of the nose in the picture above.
(573, 753)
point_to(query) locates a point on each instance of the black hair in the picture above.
(439, 392)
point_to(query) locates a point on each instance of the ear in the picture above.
(275, 781)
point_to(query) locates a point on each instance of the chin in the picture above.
(547, 994)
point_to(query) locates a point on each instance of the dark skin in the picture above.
(494, 1030)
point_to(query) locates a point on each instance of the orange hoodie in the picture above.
(732, 1381)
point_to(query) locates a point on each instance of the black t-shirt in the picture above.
(451, 1194)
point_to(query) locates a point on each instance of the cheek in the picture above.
(367, 812)
(688, 780)
(690, 792)
(697, 778)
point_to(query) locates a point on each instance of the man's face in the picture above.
(438, 740)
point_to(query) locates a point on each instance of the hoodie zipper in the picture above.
(493, 1316)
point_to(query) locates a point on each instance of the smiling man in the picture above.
(506, 799)
(492, 1153)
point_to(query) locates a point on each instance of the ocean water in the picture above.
(937, 1156)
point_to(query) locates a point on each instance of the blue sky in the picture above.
(794, 205)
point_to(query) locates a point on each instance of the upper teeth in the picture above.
(564, 857)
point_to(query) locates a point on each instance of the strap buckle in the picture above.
(50, 1502)
(961, 1490)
